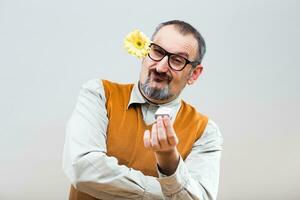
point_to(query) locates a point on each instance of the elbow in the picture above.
(87, 168)
(207, 195)
(75, 170)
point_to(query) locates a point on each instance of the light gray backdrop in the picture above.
(250, 85)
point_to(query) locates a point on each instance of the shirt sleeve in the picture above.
(85, 161)
(198, 176)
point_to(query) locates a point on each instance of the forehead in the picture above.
(173, 41)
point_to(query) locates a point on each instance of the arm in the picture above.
(85, 161)
(195, 178)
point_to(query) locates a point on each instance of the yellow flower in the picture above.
(137, 44)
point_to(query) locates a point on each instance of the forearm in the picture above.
(99, 175)
(198, 176)
(184, 185)
(177, 183)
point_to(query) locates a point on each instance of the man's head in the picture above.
(174, 61)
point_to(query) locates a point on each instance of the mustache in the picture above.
(164, 76)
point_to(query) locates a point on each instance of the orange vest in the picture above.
(126, 129)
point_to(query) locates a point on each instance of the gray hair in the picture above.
(185, 28)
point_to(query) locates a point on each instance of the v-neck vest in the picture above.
(126, 129)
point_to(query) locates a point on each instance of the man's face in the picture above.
(158, 82)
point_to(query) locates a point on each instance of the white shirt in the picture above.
(91, 171)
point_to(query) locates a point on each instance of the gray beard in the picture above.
(155, 93)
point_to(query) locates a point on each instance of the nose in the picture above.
(162, 66)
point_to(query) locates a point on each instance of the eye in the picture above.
(158, 51)
(178, 60)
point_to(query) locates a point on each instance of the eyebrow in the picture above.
(183, 54)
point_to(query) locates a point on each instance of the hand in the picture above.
(162, 137)
(163, 140)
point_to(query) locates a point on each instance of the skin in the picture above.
(162, 138)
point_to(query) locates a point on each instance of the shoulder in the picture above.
(212, 137)
(191, 109)
(114, 88)
(92, 89)
(100, 86)
(211, 133)
(94, 85)
(193, 115)
(213, 129)
(110, 84)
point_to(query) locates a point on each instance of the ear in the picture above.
(195, 73)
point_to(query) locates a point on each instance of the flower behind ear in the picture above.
(137, 44)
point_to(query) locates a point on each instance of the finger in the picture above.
(161, 133)
(147, 142)
(171, 135)
(154, 141)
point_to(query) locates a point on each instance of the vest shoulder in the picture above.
(116, 84)
(111, 86)
(117, 93)
(191, 110)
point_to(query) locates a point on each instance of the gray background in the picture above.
(250, 85)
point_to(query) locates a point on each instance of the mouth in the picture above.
(159, 77)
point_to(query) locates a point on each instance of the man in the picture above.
(115, 148)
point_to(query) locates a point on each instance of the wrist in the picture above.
(167, 161)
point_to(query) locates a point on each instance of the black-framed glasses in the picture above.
(176, 62)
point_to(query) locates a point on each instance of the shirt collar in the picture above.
(137, 97)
